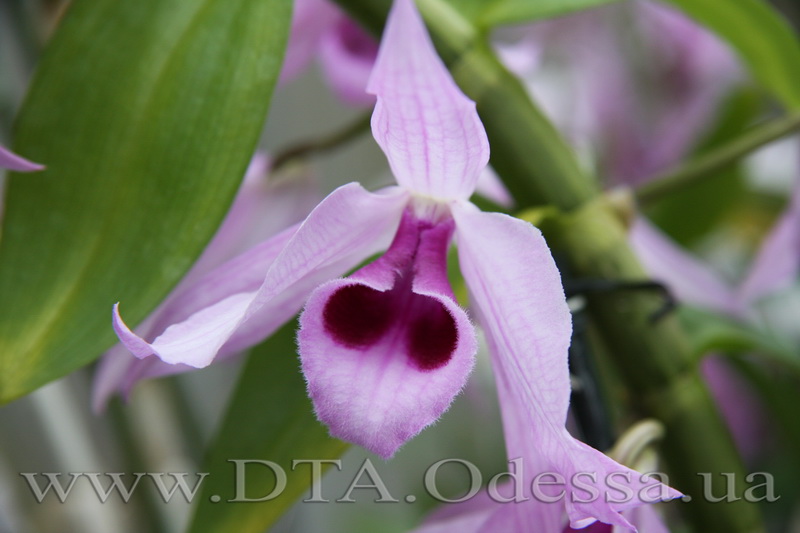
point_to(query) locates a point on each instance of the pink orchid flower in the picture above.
(385, 350)
(12, 161)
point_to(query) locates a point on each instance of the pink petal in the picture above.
(743, 411)
(263, 207)
(597, 527)
(521, 57)
(14, 162)
(516, 288)
(310, 20)
(646, 519)
(465, 517)
(347, 55)
(778, 261)
(428, 129)
(119, 371)
(491, 188)
(689, 279)
(386, 350)
(347, 227)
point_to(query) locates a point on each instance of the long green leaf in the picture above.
(712, 333)
(270, 418)
(762, 37)
(517, 11)
(145, 113)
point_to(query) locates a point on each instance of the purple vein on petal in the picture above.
(428, 129)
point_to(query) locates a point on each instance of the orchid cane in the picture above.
(386, 350)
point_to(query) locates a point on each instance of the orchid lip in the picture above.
(359, 316)
(386, 350)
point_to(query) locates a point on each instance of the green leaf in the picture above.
(762, 37)
(146, 113)
(518, 11)
(270, 418)
(712, 333)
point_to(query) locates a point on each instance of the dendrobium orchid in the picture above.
(12, 161)
(386, 349)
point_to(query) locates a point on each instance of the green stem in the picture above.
(351, 131)
(705, 165)
(655, 361)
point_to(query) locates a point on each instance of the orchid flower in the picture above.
(264, 206)
(385, 350)
(12, 161)
(691, 72)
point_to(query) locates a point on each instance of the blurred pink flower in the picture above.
(641, 83)
(345, 51)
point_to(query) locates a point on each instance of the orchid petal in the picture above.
(428, 129)
(778, 261)
(516, 288)
(347, 55)
(347, 227)
(310, 20)
(16, 163)
(490, 187)
(119, 370)
(689, 279)
(646, 519)
(465, 517)
(386, 350)
(263, 207)
(744, 412)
